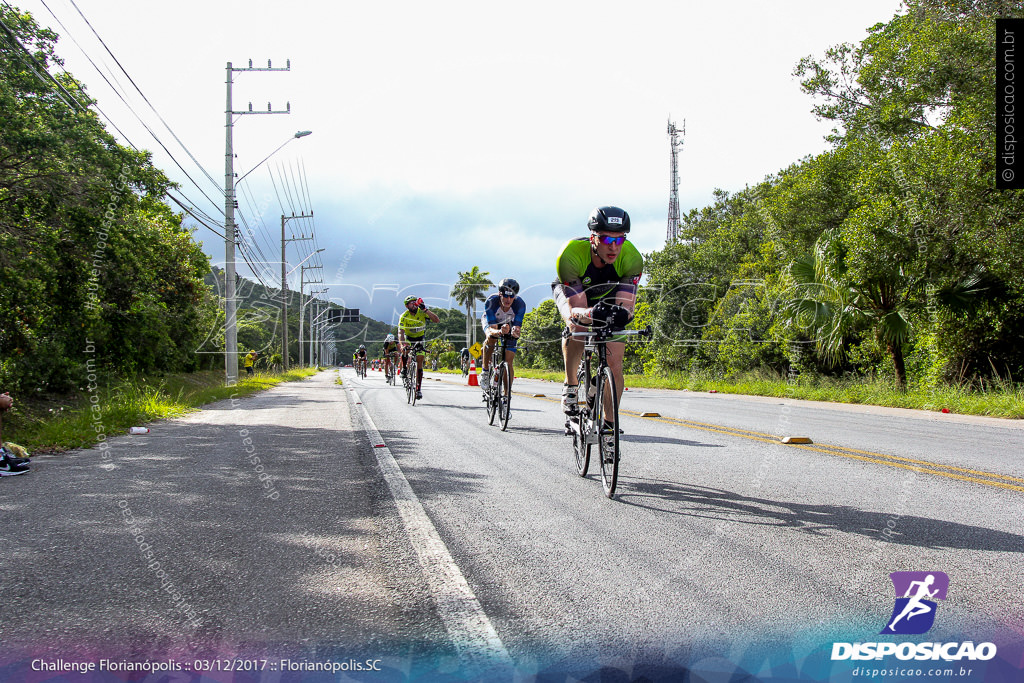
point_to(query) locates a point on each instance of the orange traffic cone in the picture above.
(473, 381)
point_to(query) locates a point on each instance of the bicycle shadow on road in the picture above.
(523, 429)
(733, 508)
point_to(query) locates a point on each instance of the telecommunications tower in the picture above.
(675, 136)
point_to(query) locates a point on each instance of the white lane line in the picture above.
(467, 624)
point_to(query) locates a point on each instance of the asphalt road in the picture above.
(272, 527)
(718, 533)
(721, 542)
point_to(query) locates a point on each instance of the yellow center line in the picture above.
(925, 469)
(923, 466)
(924, 463)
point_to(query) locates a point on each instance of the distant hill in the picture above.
(259, 322)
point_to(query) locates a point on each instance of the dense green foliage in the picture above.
(891, 255)
(95, 271)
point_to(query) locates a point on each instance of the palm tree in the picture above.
(467, 291)
(835, 308)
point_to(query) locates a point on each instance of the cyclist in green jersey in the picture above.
(412, 328)
(390, 346)
(597, 284)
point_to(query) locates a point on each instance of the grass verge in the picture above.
(85, 420)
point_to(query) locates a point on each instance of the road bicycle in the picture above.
(361, 368)
(589, 425)
(389, 368)
(409, 372)
(498, 392)
(465, 367)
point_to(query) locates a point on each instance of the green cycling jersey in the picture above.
(577, 272)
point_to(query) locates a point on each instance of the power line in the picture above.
(50, 80)
(39, 69)
(126, 104)
(312, 220)
(139, 90)
(263, 227)
(190, 211)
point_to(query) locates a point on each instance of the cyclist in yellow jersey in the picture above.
(412, 328)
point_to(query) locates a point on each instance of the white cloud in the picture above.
(443, 129)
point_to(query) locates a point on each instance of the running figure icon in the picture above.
(919, 590)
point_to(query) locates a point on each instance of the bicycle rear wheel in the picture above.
(410, 387)
(580, 423)
(608, 448)
(504, 395)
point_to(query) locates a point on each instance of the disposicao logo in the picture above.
(913, 614)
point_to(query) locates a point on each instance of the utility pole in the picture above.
(312, 331)
(230, 231)
(302, 307)
(284, 284)
(672, 233)
(319, 334)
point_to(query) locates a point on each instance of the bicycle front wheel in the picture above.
(608, 439)
(581, 449)
(504, 396)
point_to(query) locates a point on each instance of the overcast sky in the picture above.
(449, 135)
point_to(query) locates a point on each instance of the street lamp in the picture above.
(284, 282)
(299, 134)
(312, 330)
(302, 306)
(231, 323)
(318, 335)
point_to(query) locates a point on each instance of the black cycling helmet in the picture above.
(608, 219)
(508, 284)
